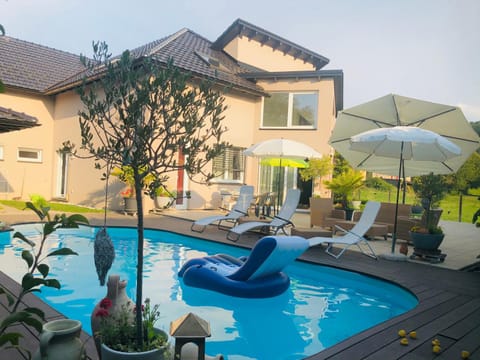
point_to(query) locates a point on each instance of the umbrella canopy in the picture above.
(404, 143)
(394, 110)
(283, 150)
(296, 163)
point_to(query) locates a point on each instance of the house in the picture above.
(278, 89)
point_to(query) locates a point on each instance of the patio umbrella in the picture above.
(394, 110)
(406, 144)
(283, 150)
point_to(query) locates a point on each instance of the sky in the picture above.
(425, 49)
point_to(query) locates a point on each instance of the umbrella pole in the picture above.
(394, 235)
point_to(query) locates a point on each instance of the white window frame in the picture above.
(1, 153)
(289, 125)
(27, 159)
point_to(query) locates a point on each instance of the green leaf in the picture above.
(10, 298)
(35, 311)
(40, 214)
(12, 338)
(44, 269)
(63, 251)
(48, 228)
(29, 282)
(27, 256)
(30, 321)
(53, 283)
(77, 218)
(23, 238)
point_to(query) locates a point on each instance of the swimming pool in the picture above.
(322, 307)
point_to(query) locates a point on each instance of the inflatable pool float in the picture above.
(257, 276)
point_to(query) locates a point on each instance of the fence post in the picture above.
(460, 203)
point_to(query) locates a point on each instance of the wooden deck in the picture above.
(448, 309)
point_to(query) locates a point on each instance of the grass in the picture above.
(60, 207)
(450, 204)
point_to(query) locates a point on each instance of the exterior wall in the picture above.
(20, 179)
(264, 57)
(240, 120)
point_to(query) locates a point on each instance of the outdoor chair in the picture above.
(404, 224)
(239, 209)
(355, 236)
(278, 222)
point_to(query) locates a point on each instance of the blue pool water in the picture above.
(322, 307)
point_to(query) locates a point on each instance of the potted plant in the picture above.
(344, 186)
(117, 332)
(164, 198)
(164, 122)
(430, 189)
(126, 175)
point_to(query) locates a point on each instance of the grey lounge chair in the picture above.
(355, 236)
(239, 209)
(279, 222)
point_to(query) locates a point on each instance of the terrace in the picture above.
(449, 299)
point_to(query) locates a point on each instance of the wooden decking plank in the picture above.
(429, 331)
(364, 344)
(470, 342)
(423, 350)
(466, 324)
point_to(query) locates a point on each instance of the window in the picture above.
(230, 165)
(29, 155)
(290, 110)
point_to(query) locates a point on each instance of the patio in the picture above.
(449, 307)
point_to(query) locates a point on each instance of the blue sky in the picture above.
(428, 49)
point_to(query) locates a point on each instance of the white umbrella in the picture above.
(406, 144)
(282, 149)
(394, 110)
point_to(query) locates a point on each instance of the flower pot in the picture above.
(426, 241)
(60, 340)
(110, 354)
(130, 205)
(161, 202)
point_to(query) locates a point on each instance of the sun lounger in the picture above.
(355, 236)
(279, 222)
(239, 209)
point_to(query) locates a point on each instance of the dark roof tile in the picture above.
(34, 67)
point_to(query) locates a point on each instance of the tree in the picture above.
(316, 169)
(141, 113)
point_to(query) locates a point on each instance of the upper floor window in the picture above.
(29, 155)
(230, 165)
(290, 110)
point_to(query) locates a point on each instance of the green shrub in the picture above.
(378, 184)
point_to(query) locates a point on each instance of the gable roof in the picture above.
(242, 28)
(188, 51)
(34, 67)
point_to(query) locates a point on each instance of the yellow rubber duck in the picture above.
(465, 354)
(436, 349)
(435, 342)
(413, 334)
(404, 341)
(402, 333)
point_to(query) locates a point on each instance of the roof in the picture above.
(242, 28)
(11, 120)
(189, 52)
(34, 67)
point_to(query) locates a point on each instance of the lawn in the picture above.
(57, 207)
(450, 205)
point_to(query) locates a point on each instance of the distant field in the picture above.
(450, 204)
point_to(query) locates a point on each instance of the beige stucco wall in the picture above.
(20, 179)
(264, 57)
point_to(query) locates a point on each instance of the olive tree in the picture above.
(141, 113)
